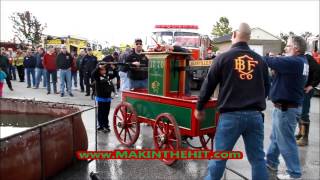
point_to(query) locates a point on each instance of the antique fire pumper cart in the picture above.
(165, 106)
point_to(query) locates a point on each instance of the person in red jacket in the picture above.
(49, 63)
(74, 69)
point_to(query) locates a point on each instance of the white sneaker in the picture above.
(116, 95)
(287, 177)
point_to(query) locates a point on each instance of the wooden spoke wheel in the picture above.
(207, 141)
(166, 135)
(125, 124)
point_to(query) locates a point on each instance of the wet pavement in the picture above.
(154, 169)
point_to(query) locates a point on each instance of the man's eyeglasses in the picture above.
(138, 44)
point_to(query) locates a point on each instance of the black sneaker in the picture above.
(70, 94)
(62, 95)
(100, 128)
(87, 94)
(106, 130)
(48, 93)
(271, 168)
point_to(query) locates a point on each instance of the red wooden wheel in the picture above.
(207, 141)
(166, 135)
(125, 124)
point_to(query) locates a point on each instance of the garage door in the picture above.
(257, 48)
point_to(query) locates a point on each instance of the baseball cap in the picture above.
(138, 40)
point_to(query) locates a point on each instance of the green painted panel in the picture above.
(209, 120)
(174, 74)
(152, 109)
(156, 75)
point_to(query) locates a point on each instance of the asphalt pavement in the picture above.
(154, 169)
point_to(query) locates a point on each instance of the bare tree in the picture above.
(27, 28)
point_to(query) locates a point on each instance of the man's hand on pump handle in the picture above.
(199, 115)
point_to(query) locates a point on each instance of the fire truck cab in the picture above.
(186, 36)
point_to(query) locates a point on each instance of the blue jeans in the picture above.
(12, 72)
(39, 73)
(31, 72)
(137, 84)
(74, 76)
(231, 125)
(283, 141)
(306, 107)
(124, 81)
(65, 77)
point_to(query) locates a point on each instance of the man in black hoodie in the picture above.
(244, 85)
(88, 64)
(80, 68)
(29, 64)
(137, 74)
(64, 63)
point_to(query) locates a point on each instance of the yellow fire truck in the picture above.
(74, 44)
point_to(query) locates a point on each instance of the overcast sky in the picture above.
(122, 21)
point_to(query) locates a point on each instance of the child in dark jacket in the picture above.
(103, 89)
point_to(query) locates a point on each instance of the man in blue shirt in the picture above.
(286, 93)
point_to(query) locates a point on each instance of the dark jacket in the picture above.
(4, 63)
(314, 72)
(78, 63)
(122, 59)
(103, 85)
(137, 73)
(243, 78)
(108, 58)
(112, 71)
(64, 61)
(89, 63)
(29, 62)
(39, 58)
(289, 80)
